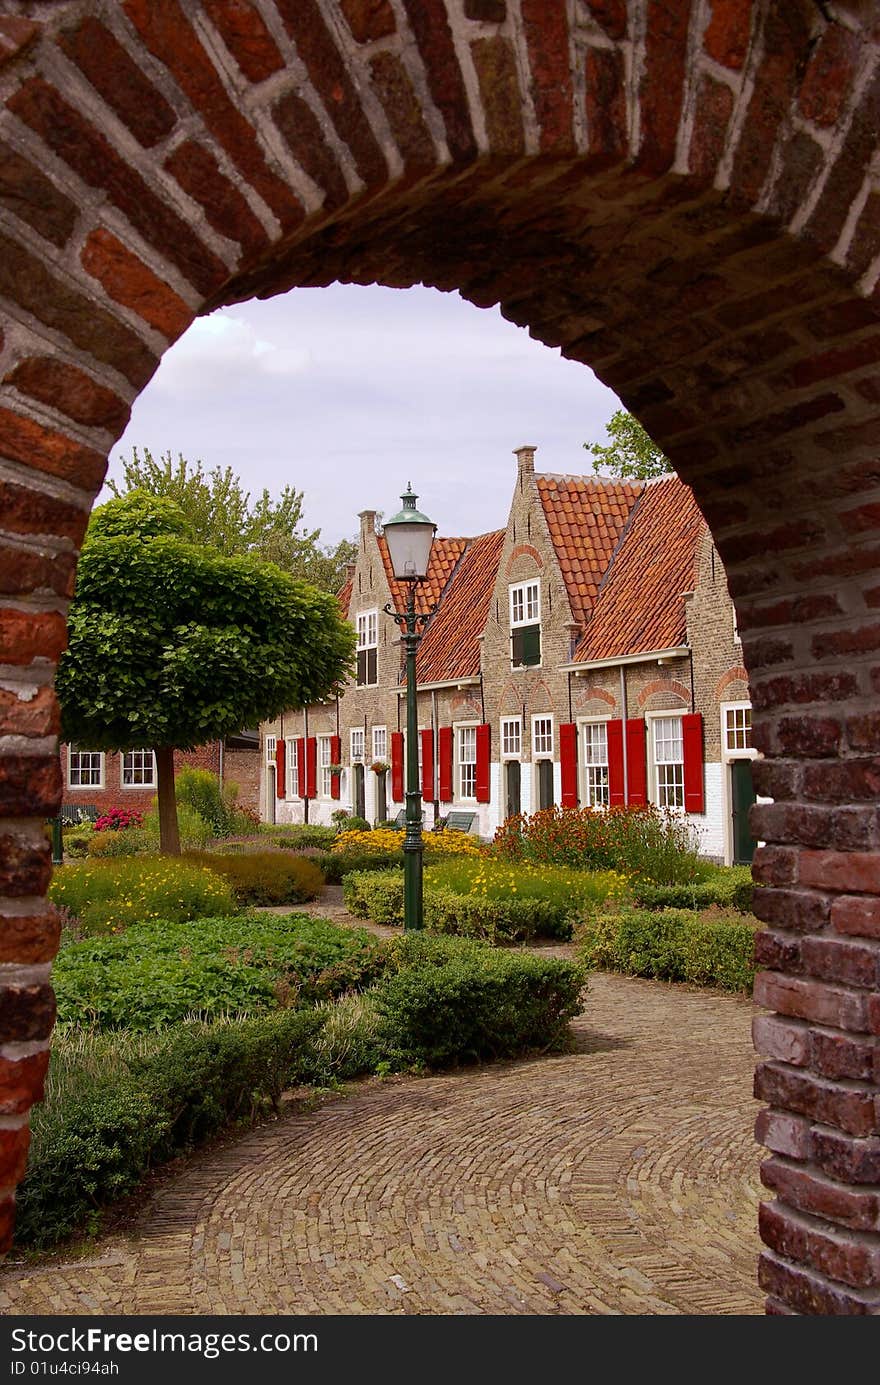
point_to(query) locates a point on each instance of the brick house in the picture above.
(108, 779)
(584, 654)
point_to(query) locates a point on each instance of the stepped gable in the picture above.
(641, 606)
(451, 647)
(445, 553)
(586, 516)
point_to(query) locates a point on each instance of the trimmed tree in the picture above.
(630, 453)
(172, 644)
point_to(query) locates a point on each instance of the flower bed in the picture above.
(645, 844)
(265, 877)
(108, 895)
(388, 841)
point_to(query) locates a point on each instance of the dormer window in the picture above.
(367, 647)
(525, 623)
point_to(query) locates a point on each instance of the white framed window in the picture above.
(380, 743)
(324, 763)
(542, 736)
(668, 755)
(466, 758)
(594, 740)
(367, 648)
(139, 769)
(271, 749)
(511, 738)
(292, 762)
(525, 623)
(358, 740)
(85, 768)
(736, 635)
(736, 730)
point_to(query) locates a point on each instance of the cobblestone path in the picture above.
(621, 1178)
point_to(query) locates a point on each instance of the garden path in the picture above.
(619, 1178)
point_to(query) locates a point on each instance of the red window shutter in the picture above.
(568, 764)
(397, 766)
(692, 738)
(444, 756)
(280, 767)
(636, 769)
(483, 734)
(427, 766)
(335, 759)
(311, 766)
(301, 766)
(615, 764)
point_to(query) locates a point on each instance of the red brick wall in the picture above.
(239, 766)
(679, 195)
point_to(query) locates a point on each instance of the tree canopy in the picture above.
(630, 453)
(172, 643)
(220, 513)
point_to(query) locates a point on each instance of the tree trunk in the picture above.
(169, 835)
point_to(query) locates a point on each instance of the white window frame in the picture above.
(588, 779)
(543, 754)
(75, 750)
(659, 794)
(458, 728)
(324, 746)
(367, 627)
(380, 748)
(508, 751)
(737, 638)
(357, 756)
(529, 616)
(143, 783)
(291, 752)
(734, 753)
(271, 749)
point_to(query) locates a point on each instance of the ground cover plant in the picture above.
(153, 974)
(120, 1102)
(646, 844)
(708, 948)
(106, 896)
(265, 877)
(728, 887)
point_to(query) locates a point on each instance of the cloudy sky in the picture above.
(347, 393)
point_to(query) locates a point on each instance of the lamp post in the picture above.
(409, 536)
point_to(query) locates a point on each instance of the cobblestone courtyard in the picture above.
(620, 1178)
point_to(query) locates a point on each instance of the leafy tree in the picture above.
(630, 454)
(172, 643)
(220, 513)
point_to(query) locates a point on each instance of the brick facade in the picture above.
(682, 196)
(234, 765)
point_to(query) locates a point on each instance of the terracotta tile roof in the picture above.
(640, 606)
(344, 597)
(445, 553)
(451, 648)
(586, 516)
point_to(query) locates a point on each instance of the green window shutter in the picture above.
(531, 644)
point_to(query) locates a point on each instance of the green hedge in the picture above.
(674, 945)
(299, 835)
(265, 877)
(100, 1141)
(336, 865)
(728, 887)
(454, 1000)
(378, 896)
(158, 973)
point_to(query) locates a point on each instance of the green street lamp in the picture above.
(409, 536)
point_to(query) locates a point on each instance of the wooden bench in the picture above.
(460, 822)
(72, 814)
(400, 820)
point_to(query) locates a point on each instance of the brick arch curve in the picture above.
(681, 196)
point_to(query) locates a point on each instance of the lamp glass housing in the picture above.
(409, 536)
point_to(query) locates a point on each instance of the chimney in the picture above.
(368, 523)
(525, 463)
(350, 569)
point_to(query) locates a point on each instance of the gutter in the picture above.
(445, 683)
(679, 651)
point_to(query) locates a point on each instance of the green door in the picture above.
(545, 784)
(742, 796)
(381, 798)
(360, 810)
(513, 773)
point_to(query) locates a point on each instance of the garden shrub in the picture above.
(265, 877)
(298, 836)
(108, 895)
(385, 841)
(374, 894)
(727, 886)
(353, 823)
(76, 844)
(156, 973)
(120, 1111)
(132, 842)
(195, 833)
(705, 949)
(645, 844)
(200, 791)
(118, 819)
(453, 1001)
(336, 865)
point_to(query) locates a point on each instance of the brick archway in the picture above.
(678, 194)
